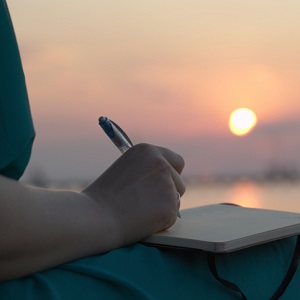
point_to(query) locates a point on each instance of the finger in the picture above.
(174, 159)
(178, 182)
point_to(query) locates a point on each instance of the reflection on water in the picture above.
(245, 193)
(283, 195)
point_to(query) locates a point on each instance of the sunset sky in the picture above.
(169, 72)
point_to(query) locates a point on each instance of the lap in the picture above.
(142, 272)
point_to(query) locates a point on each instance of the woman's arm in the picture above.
(134, 198)
(41, 228)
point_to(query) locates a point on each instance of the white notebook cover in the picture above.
(225, 228)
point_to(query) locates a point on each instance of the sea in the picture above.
(281, 195)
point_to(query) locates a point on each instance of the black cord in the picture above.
(211, 258)
(290, 273)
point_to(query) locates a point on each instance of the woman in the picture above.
(69, 245)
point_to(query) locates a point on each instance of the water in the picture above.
(278, 195)
(281, 195)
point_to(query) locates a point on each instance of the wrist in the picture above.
(105, 233)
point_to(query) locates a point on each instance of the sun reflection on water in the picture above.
(246, 193)
(284, 196)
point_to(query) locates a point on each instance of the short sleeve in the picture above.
(16, 127)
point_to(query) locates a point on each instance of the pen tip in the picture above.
(102, 120)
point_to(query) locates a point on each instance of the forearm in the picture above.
(40, 228)
(134, 198)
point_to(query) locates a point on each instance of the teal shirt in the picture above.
(134, 272)
(16, 130)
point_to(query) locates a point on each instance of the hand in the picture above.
(140, 191)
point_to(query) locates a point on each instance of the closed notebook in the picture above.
(226, 228)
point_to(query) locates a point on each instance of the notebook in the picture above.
(225, 228)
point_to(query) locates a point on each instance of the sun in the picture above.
(242, 121)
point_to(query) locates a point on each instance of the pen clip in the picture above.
(123, 133)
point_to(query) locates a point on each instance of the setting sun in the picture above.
(242, 121)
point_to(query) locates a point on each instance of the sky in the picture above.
(169, 73)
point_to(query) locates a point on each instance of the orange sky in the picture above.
(170, 72)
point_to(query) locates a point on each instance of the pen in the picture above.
(119, 138)
(116, 134)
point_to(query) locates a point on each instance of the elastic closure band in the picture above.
(211, 259)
